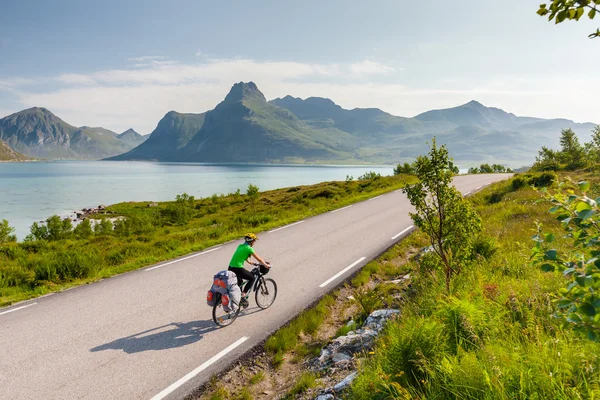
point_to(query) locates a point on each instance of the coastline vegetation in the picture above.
(56, 255)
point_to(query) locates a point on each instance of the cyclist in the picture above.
(236, 265)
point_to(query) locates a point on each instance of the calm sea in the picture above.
(34, 191)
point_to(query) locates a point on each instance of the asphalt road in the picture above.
(148, 334)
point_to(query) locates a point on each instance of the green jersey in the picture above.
(241, 254)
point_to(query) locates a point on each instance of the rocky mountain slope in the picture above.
(36, 132)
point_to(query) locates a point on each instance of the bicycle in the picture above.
(266, 292)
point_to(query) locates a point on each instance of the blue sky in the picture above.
(125, 64)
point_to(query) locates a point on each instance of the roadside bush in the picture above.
(367, 176)
(6, 232)
(13, 276)
(543, 180)
(66, 266)
(518, 183)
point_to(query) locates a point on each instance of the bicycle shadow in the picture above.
(169, 336)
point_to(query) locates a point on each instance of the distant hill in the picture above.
(8, 154)
(36, 132)
(132, 138)
(173, 132)
(472, 131)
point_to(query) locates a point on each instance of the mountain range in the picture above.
(246, 128)
(36, 132)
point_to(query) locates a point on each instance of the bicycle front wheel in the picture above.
(266, 292)
(222, 317)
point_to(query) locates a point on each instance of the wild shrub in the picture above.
(543, 180)
(370, 175)
(6, 232)
(83, 230)
(464, 321)
(104, 228)
(14, 276)
(252, 191)
(518, 183)
(181, 211)
(484, 246)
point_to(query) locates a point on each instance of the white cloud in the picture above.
(16, 82)
(122, 98)
(146, 58)
(370, 67)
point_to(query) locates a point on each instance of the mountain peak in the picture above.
(244, 91)
(130, 131)
(475, 103)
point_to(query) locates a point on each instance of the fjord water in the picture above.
(34, 191)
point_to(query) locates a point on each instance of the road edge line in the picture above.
(182, 259)
(202, 367)
(354, 264)
(18, 308)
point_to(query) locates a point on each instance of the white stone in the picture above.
(345, 383)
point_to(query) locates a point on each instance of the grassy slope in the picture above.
(8, 154)
(494, 336)
(30, 269)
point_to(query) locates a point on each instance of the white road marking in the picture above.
(469, 192)
(287, 226)
(328, 281)
(479, 187)
(401, 233)
(339, 209)
(195, 372)
(182, 259)
(373, 198)
(17, 309)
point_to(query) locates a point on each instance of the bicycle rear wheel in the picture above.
(266, 292)
(222, 317)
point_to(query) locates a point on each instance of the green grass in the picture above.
(258, 377)
(494, 336)
(306, 381)
(151, 235)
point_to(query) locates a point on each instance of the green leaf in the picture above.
(584, 186)
(587, 309)
(550, 255)
(553, 209)
(550, 238)
(579, 13)
(591, 14)
(547, 267)
(583, 206)
(574, 318)
(580, 280)
(585, 214)
(564, 303)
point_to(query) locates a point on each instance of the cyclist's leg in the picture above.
(238, 272)
(249, 276)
